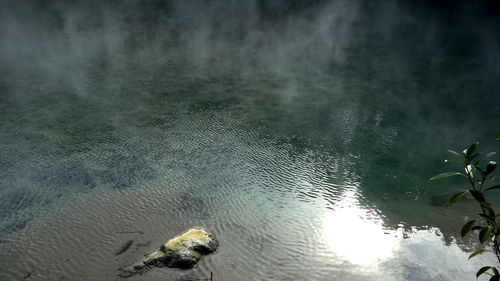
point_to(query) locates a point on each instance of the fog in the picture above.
(68, 41)
(71, 43)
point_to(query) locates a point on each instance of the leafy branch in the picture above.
(477, 170)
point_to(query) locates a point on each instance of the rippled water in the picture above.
(305, 142)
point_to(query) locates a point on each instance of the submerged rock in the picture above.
(182, 251)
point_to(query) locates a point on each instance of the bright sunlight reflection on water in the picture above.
(363, 240)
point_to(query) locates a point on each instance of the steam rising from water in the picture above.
(67, 42)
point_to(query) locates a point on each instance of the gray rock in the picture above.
(182, 251)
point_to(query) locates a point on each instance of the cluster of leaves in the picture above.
(477, 170)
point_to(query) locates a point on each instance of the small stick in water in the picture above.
(143, 244)
(130, 231)
(124, 247)
(29, 274)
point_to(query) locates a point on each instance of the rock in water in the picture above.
(183, 251)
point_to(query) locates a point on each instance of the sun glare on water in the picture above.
(356, 235)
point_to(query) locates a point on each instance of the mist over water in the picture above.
(285, 127)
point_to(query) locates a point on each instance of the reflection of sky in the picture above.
(356, 235)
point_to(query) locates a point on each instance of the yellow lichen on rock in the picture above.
(180, 241)
(182, 251)
(154, 257)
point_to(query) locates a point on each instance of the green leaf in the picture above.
(447, 174)
(454, 161)
(477, 195)
(474, 157)
(483, 157)
(483, 270)
(476, 253)
(467, 227)
(469, 151)
(457, 155)
(487, 210)
(484, 234)
(493, 187)
(457, 197)
(497, 136)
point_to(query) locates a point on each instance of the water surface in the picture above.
(303, 136)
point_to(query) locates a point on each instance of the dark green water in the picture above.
(302, 135)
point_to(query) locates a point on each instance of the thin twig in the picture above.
(470, 178)
(29, 274)
(124, 247)
(130, 231)
(147, 243)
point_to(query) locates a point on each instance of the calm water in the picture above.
(302, 135)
